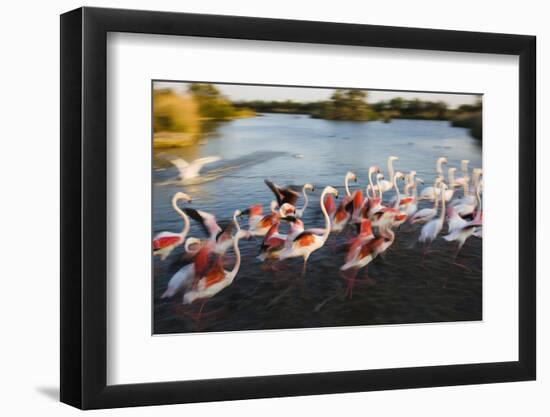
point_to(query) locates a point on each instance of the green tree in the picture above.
(212, 104)
(347, 105)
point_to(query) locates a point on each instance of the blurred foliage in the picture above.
(471, 117)
(183, 119)
(347, 105)
(174, 112)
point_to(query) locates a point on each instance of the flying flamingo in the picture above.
(300, 211)
(216, 278)
(191, 170)
(387, 185)
(310, 240)
(165, 242)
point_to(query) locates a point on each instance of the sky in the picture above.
(236, 92)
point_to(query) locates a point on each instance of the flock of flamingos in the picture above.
(456, 200)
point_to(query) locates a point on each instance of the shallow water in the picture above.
(401, 289)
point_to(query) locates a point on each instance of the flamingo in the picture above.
(393, 214)
(165, 242)
(300, 211)
(283, 195)
(191, 170)
(377, 189)
(185, 277)
(461, 233)
(219, 238)
(261, 224)
(374, 202)
(430, 193)
(274, 241)
(349, 176)
(345, 210)
(469, 197)
(360, 256)
(465, 179)
(271, 247)
(409, 205)
(431, 229)
(387, 185)
(216, 278)
(309, 241)
(426, 214)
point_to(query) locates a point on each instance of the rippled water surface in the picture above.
(401, 288)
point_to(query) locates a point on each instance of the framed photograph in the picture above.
(258, 208)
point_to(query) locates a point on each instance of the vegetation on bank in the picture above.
(182, 119)
(351, 105)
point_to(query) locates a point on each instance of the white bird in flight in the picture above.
(191, 170)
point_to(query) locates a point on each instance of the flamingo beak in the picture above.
(244, 212)
(289, 218)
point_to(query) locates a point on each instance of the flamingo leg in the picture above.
(304, 267)
(457, 253)
(199, 315)
(349, 276)
(424, 253)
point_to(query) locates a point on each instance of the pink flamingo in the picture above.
(309, 241)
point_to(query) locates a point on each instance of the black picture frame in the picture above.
(84, 207)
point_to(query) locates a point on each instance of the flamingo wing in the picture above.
(214, 275)
(207, 220)
(283, 195)
(191, 170)
(305, 238)
(166, 239)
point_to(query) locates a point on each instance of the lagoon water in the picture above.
(295, 149)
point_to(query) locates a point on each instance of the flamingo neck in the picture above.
(478, 198)
(390, 168)
(237, 265)
(442, 214)
(451, 176)
(391, 234)
(397, 195)
(305, 199)
(237, 225)
(438, 167)
(371, 186)
(182, 214)
(379, 188)
(326, 232)
(346, 186)
(466, 186)
(436, 200)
